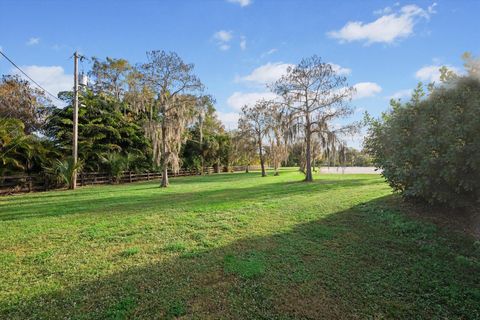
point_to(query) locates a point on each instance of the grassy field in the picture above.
(232, 246)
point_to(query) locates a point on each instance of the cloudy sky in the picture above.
(383, 47)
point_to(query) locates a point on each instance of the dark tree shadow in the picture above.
(365, 262)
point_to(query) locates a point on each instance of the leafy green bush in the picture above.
(429, 148)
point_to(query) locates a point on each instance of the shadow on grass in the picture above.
(365, 262)
(143, 196)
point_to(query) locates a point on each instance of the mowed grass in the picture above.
(232, 246)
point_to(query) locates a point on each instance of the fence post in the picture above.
(148, 175)
(130, 176)
(29, 182)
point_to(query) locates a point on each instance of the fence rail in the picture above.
(37, 182)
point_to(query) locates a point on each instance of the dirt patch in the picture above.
(309, 305)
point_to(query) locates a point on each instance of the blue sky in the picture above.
(383, 47)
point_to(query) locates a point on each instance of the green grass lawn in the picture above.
(231, 246)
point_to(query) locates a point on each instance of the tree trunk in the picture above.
(308, 154)
(262, 164)
(246, 169)
(201, 146)
(164, 182)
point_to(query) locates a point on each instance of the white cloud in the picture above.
(270, 72)
(405, 93)
(242, 3)
(52, 78)
(239, 99)
(366, 90)
(229, 119)
(223, 37)
(383, 11)
(269, 52)
(224, 47)
(432, 73)
(386, 29)
(267, 73)
(340, 70)
(33, 41)
(243, 43)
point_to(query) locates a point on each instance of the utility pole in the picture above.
(200, 127)
(75, 119)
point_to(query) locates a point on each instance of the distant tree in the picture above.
(472, 65)
(314, 95)
(254, 121)
(206, 117)
(202, 146)
(244, 150)
(279, 134)
(18, 100)
(170, 80)
(110, 77)
(357, 158)
(224, 155)
(296, 156)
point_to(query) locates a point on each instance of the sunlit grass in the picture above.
(230, 246)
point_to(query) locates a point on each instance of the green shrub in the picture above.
(429, 148)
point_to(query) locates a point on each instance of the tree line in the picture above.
(156, 116)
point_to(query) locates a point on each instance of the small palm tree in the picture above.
(130, 159)
(15, 145)
(116, 164)
(64, 170)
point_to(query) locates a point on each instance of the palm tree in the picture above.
(15, 146)
(116, 164)
(64, 170)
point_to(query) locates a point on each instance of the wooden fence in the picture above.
(38, 182)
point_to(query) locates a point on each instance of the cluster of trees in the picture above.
(151, 116)
(23, 111)
(308, 97)
(156, 116)
(428, 147)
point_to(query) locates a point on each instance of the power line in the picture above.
(50, 116)
(54, 113)
(26, 75)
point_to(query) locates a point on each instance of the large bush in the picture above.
(429, 148)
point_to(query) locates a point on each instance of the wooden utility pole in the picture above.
(75, 119)
(200, 127)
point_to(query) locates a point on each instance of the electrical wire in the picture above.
(26, 75)
(49, 116)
